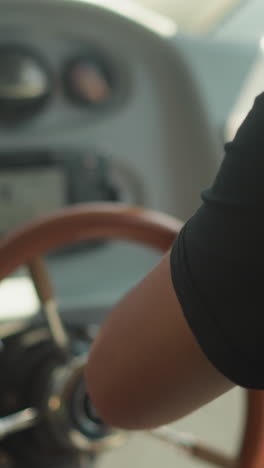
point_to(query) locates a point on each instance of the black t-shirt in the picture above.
(217, 261)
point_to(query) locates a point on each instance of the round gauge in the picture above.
(24, 84)
(88, 81)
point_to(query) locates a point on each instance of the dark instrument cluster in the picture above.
(28, 82)
(38, 182)
(45, 85)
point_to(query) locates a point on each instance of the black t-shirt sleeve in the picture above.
(217, 261)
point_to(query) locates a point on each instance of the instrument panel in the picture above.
(29, 82)
(53, 83)
(38, 182)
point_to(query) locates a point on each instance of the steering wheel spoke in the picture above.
(43, 285)
(192, 446)
(18, 422)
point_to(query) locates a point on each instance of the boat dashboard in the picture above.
(104, 101)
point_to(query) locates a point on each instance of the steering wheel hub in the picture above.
(68, 410)
(67, 424)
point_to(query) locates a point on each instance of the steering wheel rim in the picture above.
(118, 221)
(86, 222)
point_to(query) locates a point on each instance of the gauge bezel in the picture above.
(9, 113)
(108, 68)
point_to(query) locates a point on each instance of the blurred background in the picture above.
(195, 17)
(121, 101)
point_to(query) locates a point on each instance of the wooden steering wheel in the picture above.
(112, 221)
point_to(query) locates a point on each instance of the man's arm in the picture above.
(146, 367)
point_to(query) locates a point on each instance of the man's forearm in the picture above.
(146, 368)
